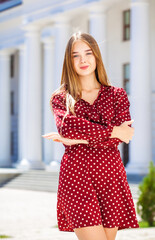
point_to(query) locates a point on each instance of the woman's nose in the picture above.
(82, 59)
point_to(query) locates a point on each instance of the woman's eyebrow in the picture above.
(85, 51)
(88, 50)
(74, 52)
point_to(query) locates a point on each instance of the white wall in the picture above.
(152, 41)
(118, 51)
(152, 68)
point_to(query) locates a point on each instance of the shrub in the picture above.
(146, 201)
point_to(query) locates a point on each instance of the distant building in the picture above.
(33, 37)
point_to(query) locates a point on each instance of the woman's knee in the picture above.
(111, 233)
(91, 233)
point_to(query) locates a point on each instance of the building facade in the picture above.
(33, 37)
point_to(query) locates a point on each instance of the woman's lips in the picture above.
(85, 67)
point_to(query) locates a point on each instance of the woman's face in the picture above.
(84, 61)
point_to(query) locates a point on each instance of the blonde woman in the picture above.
(92, 118)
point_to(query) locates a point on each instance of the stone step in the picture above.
(30, 183)
(33, 188)
(39, 180)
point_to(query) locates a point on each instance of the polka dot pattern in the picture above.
(93, 187)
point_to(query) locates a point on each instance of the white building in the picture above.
(33, 37)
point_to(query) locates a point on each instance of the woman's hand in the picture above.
(123, 132)
(58, 138)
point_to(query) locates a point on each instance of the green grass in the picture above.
(143, 224)
(5, 236)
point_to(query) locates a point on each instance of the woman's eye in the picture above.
(75, 56)
(89, 53)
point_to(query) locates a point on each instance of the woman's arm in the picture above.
(123, 132)
(117, 134)
(122, 114)
(78, 128)
(58, 138)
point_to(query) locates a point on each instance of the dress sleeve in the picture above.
(78, 128)
(122, 114)
(121, 106)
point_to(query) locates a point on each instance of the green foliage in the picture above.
(143, 224)
(146, 201)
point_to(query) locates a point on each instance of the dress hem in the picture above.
(119, 227)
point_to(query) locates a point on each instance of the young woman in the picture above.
(92, 118)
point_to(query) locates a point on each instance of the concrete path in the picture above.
(31, 215)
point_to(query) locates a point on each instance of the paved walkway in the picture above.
(31, 215)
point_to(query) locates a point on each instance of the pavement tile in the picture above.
(31, 215)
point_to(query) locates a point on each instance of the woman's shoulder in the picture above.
(116, 90)
(58, 95)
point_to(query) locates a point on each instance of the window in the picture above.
(12, 65)
(6, 4)
(125, 153)
(126, 25)
(12, 103)
(126, 77)
(126, 86)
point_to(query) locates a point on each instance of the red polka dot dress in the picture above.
(93, 187)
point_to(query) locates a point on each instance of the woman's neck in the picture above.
(89, 82)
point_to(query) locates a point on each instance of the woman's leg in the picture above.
(91, 233)
(111, 233)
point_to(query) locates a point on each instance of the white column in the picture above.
(140, 148)
(97, 28)
(62, 35)
(5, 121)
(22, 113)
(33, 100)
(48, 88)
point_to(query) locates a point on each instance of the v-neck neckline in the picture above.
(100, 90)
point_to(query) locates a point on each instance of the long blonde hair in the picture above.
(70, 83)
